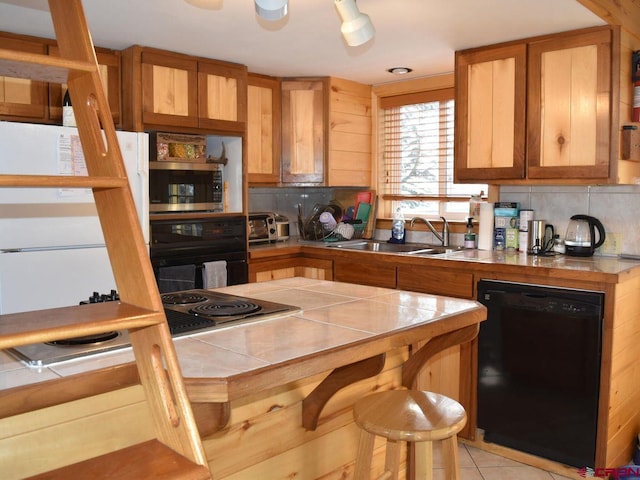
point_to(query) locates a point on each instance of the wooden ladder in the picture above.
(176, 452)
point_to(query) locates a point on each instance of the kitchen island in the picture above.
(272, 398)
(456, 274)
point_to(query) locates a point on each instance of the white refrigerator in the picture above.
(52, 251)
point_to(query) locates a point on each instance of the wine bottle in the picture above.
(68, 118)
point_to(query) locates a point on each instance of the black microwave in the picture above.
(185, 187)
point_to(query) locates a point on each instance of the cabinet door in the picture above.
(569, 106)
(222, 96)
(109, 65)
(23, 99)
(436, 281)
(289, 267)
(263, 129)
(364, 273)
(490, 113)
(303, 131)
(169, 90)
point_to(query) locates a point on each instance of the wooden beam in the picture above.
(625, 13)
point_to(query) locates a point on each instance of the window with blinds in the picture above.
(417, 156)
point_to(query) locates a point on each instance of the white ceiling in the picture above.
(420, 34)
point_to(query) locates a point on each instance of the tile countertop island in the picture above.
(334, 316)
(295, 375)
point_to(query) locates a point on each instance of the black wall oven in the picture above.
(179, 247)
(539, 355)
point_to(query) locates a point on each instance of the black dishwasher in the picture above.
(539, 369)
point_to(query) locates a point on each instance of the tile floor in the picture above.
(476, 464)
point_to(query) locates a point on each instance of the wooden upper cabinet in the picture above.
(326, 132)
(222, 96)
(23, 99)
(109, 67)
(263, 129)
(169, 89)
(541, 109)
(40, 102)
(164, 89)
(303, 130)
(490, 113)
(568, 107)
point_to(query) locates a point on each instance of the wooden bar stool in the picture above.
(408, 416)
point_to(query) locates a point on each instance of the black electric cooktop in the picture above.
(187, 311)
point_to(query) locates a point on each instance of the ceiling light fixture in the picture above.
(357, 28)
(272, 9)
(400, 70)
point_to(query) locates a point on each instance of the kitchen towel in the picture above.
(485, 234)
(179, 277)
(214, 274)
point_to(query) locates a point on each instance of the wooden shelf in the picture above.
(62, 181)
(150, 459)
(40, 67)
(67, 322)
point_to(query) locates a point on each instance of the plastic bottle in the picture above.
(397, 228)
(68, 118)
(470, 236)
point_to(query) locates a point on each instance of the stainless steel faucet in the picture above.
(444, 237)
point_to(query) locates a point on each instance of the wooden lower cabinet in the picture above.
(365, 273)
(436, 281)
(289, 267)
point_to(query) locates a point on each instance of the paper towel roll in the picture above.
(485, 233)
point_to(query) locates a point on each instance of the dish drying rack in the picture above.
(312, 229)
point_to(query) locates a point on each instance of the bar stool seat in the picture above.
(408, 416)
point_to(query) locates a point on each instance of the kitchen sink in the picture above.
(405, 248)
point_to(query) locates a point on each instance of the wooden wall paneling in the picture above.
(350, 134)
(623, 393)
(617, 12)
(81, 429)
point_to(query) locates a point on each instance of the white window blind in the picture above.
(417, 155)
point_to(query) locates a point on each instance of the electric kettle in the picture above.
(580, 240)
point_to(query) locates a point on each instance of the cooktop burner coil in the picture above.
(182, 298)
(85, 340)
(225, 308)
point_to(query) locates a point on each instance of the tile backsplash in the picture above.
(617, 207)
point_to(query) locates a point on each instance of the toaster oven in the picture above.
(262, 227)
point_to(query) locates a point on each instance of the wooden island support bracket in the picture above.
(416, 361)
(344, 376)
(339, 378)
